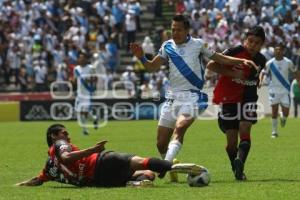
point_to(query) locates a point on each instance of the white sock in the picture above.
(173, 149)
(274, 125)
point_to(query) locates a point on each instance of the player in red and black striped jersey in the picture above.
(237, 97)
(93, 166)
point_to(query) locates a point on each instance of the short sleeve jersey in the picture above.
(80, 172)
(284, 67)
(191, 54)
(83, 75)
(234, 90)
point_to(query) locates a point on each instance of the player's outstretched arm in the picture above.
(228, 60)
(217, 68)
(35, 181)
(70, 157)
(151, 65)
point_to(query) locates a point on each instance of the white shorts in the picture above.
(82, 104)
(193, 105)
(280, 98)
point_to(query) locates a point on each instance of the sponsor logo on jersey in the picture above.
(244, 82)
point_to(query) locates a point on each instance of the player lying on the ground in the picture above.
(96, 167)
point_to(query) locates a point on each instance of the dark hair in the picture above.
(183, 19)
(280, 45)
(53, 129)
(257, 31)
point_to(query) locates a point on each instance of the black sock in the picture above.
(244, 148)
(232, 153)
(158, 165)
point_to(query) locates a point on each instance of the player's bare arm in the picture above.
(69, 157)
(35, 181)
(217, 68)
(151, 65)
(228, 60)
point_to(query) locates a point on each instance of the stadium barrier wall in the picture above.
(10, 111)
(113, 109)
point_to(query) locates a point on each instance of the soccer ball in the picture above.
(199, 180)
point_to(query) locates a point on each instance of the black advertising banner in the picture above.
(110, 109)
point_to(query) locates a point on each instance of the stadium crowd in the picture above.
(40, 40)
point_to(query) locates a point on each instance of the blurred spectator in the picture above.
(40, 74)
(135, 6)
(148, 48)
(129, 81)
(130, 27)
(23, 80)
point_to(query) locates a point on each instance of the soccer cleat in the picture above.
(85, 132)
(143, 183)
(188, 168)
(173, 174)
(239, 170)
(274, 135)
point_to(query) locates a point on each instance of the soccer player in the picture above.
(237, 98)
(86, 86)
(184, 98)
(295, 94)
(96, 167)
(278, 69)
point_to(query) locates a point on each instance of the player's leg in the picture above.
(274, 120)
(94, 117)
(183, 122)
(295, 104)
(274, 101)
(166, 126)
(231, 147)
(163, 138)
(285, 107)
(229, 124)
(82, 109)
(153, 164)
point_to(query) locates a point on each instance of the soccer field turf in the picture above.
(272, 168)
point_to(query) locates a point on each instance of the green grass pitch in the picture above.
(273, 166)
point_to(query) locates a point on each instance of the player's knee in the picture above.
(180, 128)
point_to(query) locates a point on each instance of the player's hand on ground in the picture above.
(99, 146)
(250, 63)
(137, 50)
(32, 182)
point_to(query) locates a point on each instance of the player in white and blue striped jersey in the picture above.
(86, 80)
(278, 70)
(184, 98)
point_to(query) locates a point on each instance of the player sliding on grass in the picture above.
(96, 167)
(185, 98)
(237, 98)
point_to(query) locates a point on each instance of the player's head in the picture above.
(83, 58)
(180, 29)
(56, 132)
(279, 51)
(254, 40)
